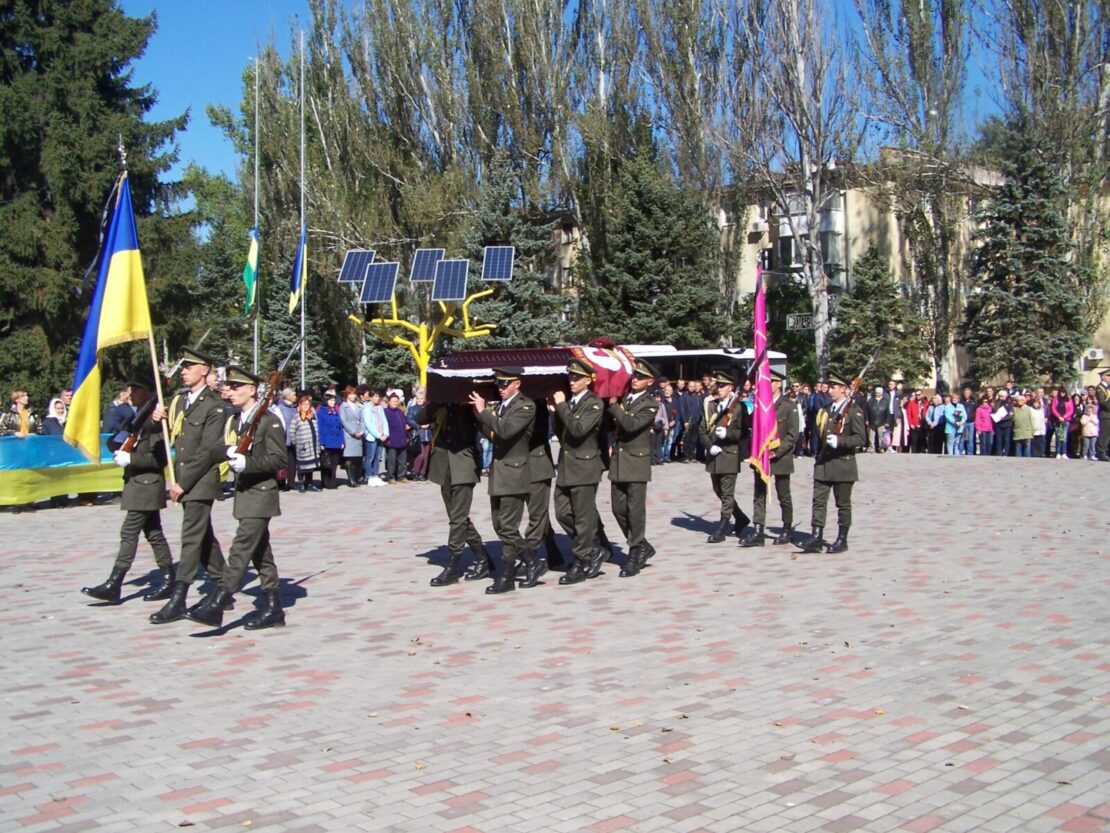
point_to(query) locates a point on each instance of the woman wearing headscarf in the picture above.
(303, 437)
(55, 422)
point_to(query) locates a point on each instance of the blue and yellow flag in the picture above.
(300, 272)
(118, 313)
(250, 273)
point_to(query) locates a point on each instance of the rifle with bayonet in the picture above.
(273, 385)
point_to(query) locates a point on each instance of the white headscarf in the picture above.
(50, 411)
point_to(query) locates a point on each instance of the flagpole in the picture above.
(304, 268)
(257, 294)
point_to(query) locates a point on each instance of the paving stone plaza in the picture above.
(949, 673)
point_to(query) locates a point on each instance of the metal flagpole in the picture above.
(257, 293)
(304, 266)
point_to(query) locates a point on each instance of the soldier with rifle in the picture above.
(724, 420)
(255, 452)
(141, 453)
(841, 433)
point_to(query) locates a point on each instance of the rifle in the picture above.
(263, 405)
(853, 389)
(135, 425)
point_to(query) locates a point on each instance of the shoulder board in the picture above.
(594, 406)
(526, 407)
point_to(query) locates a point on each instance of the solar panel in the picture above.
(354, 265)
(381, 280)
(450, 280)
(497, 263)
(424, 265)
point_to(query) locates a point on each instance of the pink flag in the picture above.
(765, 429)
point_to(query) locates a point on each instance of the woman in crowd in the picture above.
(1062, 412)
(20, 421)
(397, 441)
(350, 417)
(1037, 414)
(934, 425)
(1022, 416)
(55, 422)
(1075, 427)
(422, 435)
(1089, 428)
(331, 439)
(303, 436)
(984, 426)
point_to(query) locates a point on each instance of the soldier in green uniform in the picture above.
(842, 432)
(579, 470)
(782, 466)
(630, 464)
(722, 426)
(541, 471)
(256, 501)
(509, 425)
(197, 432)
(455, 467)
(1102, 394)
(143, 499)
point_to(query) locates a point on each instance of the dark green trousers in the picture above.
(539, 514)
(507, 510)
(150, 525)
(198, 542)
(576, 512)
(842, 494)
(786, 502)
(251, 545)
(457, 500)
(630, 509)
(724, 487)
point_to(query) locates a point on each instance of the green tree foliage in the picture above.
(66, 97)
(655, 279)
(875, 318)
(1025, 318)
(785, 296)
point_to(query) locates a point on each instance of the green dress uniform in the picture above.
(541, 471)
(1102, 396)
(724, 467)
(196, 429)
(455, 467)
(782, 466)
(630, 472)
(580, 470)
(835, 470)
(509, 425)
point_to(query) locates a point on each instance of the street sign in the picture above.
(799, 321)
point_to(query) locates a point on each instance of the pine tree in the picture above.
(66, 98)
(654, 281)
(875, 318)
(1025, 317)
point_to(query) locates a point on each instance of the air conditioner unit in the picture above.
(759, 226)
(1095, 354)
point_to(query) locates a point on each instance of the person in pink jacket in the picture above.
(984, 427)
(1062, 412)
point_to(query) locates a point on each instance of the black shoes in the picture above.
(450, 573)
(841, 542)
(574, 574)
(271, 615)
(754, 537)
(598, 556)
(718, 534)
(163, 591)
(633, 562)
(784, 537)
(534, 567)
(647, 553)
(174, 609)
(506, 579)
(109, 591)
(814, 542)
(211, 610)
(482, 567)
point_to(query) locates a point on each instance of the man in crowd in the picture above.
(722, 427)
(782, 466)
(1102, 396)
(118, 413)
(841, 433)
(876, 413)
(894, 413)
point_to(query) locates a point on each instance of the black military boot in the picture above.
(718, 534)
(814, 542)
(534, 567)
(632, 564)
(505, 580)
(109, 591)
(598, 556)
(482, 566)
(174, 609)
(270, 616)
(841, 542)
(450, 573)
(162, 591)
(646, 552)
(211, 611)
(574, 574)
(754, 538)
(784, 536)
(742, 523)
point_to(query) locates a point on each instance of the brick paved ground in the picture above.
(950, 673)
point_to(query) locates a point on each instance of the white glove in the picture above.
(832, 441)
(122, 458)
(714, 450)
(237, 462)
(720, 431)
(230, 450)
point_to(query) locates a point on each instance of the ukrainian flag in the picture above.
(300, 272)
(119, 313)
(250, 273)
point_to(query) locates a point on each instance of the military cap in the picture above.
(577, 367)
(508, 372)
(640, 367)
(1104, 371)
(778, 375)
(236, 376)
(141, 379)
(190, 355)
(836, 379)
(723, 377)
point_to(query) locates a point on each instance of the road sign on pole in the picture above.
(799, 321)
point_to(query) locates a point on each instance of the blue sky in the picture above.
(197, 57)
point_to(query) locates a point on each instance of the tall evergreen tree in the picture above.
(66, 97)
(654, 281)
(1025, 317)
(875, 318)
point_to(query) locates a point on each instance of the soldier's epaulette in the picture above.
(526, 407)
(595, 407)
